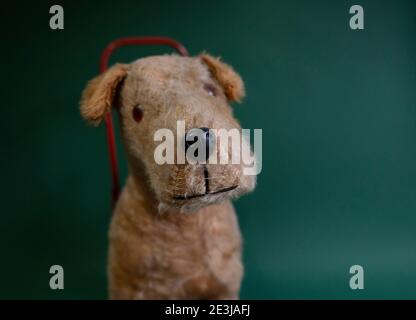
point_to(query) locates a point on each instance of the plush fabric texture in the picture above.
(168, 238)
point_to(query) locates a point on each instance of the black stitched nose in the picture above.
(202, 137)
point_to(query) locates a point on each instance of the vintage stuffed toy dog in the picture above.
(174, 232)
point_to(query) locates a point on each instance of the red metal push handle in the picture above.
(105, 57)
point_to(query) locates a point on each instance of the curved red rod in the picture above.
(105, 57)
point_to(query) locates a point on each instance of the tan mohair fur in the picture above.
(99, 94)
(163, 246)
(230, 81)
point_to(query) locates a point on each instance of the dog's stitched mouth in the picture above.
(204, 194)
(207, 189)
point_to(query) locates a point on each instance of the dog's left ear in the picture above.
(100, 93)
(230, 81)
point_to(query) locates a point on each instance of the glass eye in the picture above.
(137, 113)
(210, 89)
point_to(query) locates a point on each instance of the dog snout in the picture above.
(200, 139)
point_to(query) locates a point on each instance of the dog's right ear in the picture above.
(100, 93)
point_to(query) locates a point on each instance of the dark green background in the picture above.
(338, 113)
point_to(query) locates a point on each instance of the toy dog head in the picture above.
(156, 92)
